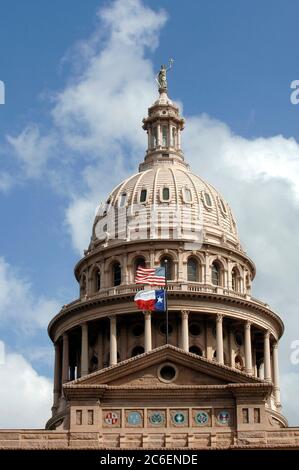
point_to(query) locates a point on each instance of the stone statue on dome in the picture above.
(162, 75)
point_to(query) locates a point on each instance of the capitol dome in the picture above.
(166, 184)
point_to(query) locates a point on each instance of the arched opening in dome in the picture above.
(236, 280)
(83, 285)
(154, 137)
(239, 362)
(165, 194)
(96, 280)
(139, 262)
(195, 350)
(216, 273)
(192, 270)
(116, 274)
(137, 350)
(167, 263)
(143, 196)
(207, 200)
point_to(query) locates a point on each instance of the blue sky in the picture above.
(234, 61)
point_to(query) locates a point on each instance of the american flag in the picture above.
(150, 276)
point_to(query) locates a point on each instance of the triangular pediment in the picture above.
(149, 368)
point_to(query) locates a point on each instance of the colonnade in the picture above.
(62, 371)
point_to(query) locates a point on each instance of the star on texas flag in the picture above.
(151, 300)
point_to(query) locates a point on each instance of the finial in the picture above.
(161, 77)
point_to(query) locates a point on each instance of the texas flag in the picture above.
(151, 300)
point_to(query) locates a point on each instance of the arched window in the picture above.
(216, 274)
(187, 195)
(164, 136)
(116, 274)
(195, 350)
(143, 195)
(139, 262)
(123, 200)
(96, 280)
(154, 137)
(167, 263)
(137, 350)
(207, 200)
(192, 270)
(83, 285)
(165, 194)
(235, 280)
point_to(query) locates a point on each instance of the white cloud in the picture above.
(18, 303)
(32, 150)
(25, 396)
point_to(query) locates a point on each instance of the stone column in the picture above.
(267, 360)
(276, 375)
(84, 350)
(219, 339)
(57, 375)
(147, 331)
(178, 139)
(65, 358)
(248, 351)
(185, 331)
(261, 371)
(113, 341)
(159, 136)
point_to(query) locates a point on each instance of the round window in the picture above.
(138, 329)
(163, 328)
(194, 329)
(167, 373)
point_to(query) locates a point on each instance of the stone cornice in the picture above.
(127, 297)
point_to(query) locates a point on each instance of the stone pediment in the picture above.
(146, 370)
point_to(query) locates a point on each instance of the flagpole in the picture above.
(166, 301)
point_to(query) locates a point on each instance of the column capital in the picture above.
(185, 313)
(275, 345)
(147, 313)
(247, 325)
(112, 317)
(267, 334)
(219, 317)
